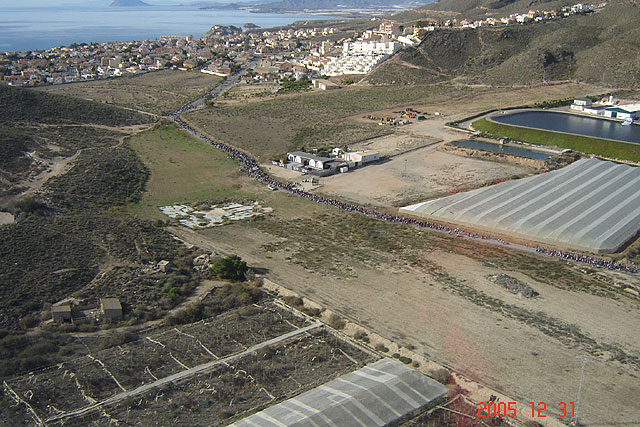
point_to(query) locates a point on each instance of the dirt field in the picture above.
(158, 92)
(429, 173)
(434, 294)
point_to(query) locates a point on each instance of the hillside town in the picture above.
(284, 53)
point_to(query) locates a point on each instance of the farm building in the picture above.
(61, 313)
(380, 394)
(309, 160)
(316, 163)
(111, 308)
(590, 205)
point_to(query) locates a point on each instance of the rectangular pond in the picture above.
(496, 148)
(571, 123)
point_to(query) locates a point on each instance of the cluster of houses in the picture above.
(101, 60)
(340, 162)
(217, 52)
(109, 309)
(608, 107)
(533, 15)
(285, 52)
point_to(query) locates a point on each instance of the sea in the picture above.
(39, 28)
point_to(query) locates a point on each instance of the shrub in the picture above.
(313, 312)
(406, 360)
(336, 321)
(293, 301)
(442, 376)
(360, 335)
(382, 348)
(230, 268)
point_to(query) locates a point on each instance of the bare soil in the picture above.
(418, 175)
(427, 303)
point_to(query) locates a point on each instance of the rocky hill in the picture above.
(599, 47)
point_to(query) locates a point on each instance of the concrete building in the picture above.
(111, 308)
(324, 84)
(382, 393)
(580, 104)
(61, 313)
(591, 205)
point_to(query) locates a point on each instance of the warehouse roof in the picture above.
(375, 395)
(627, 108)
(591, 205)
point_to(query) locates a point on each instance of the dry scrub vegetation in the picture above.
(160, 92)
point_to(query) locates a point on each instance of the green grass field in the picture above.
(183, 169)
(584, 144)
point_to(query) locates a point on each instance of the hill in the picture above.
(67, 229)
(289, 5)
(597, 48)
(483, 8)
(39, 129)
(128, 3)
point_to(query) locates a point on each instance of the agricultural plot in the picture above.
(36, 390)
(234, 390)
(157, 354)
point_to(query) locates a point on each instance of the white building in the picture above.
(624, 112)
(361, 157)
(360, 57)
(580, 104)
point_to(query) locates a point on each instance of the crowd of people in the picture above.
(253, 169)
(596, 262)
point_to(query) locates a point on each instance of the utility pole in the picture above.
(584, 359)
(405, 167)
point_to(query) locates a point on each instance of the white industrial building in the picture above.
(361, 157)
(624, 112)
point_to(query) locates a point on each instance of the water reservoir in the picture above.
(571, 123)
(496, 148)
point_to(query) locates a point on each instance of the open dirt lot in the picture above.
(429, 173)
(158, 92)
(432, 292)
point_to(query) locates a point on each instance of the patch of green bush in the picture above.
(231, 267)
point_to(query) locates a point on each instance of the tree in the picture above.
(230, 268)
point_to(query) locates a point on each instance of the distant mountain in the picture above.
(285, 5)
(128, 3)
(599, 48)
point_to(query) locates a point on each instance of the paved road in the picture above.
(196, 370)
